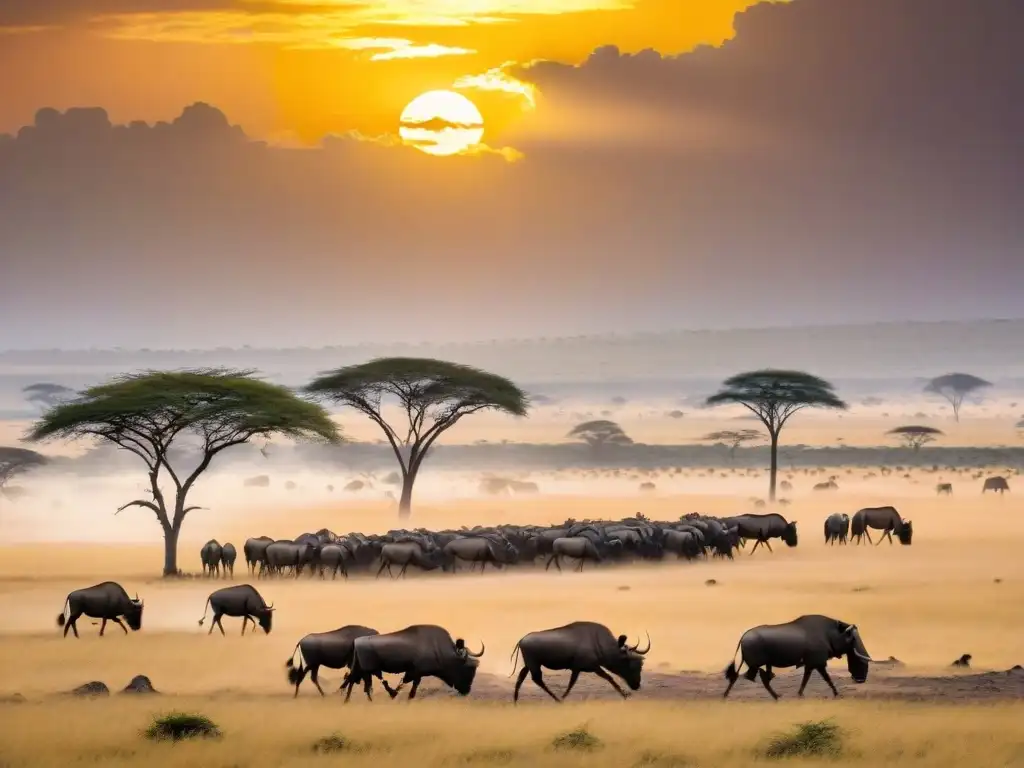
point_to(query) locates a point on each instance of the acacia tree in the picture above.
(433, 395)
(151, 414)
(47, 394)
(600, 433)
(914, 436)
(15, 461)
(734, 438)
(773, 396)
(955, 387)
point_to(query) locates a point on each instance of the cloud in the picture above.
(499, 80)
(390, 48)
(838, 160)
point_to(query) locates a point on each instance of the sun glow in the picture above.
(441, 123)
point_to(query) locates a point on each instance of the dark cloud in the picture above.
(810, 173)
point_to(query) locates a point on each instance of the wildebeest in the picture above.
(210, 556)
(944, 488)
(286, 554)
(228, 555)
(332, 558)
(422, 650)
(885, 519)
(106, 601)
(837, 528)
(996, 484)
(242, 600)
(575, 547)
(831, 485)
(761, 528)
(407, 553)
(808, 642)
(479, 549)
(324, 649)
(255, 551)
(582, 646)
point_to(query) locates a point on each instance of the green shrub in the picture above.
(815, 739)
(178, 726)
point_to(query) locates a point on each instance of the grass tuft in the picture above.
(813, 739)
(333, 744)
(179, 726)
(580, 739)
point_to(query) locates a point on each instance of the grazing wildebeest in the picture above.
(837, 528)
(831, 485)
(332, 558)
(808, 642)
(107, 601)
(944, 488)
(479, 549)
(210, 556)
(242, 600)
(228, 555)
(583, 646)
(255, 552)
(407, 553)
(324, 649)
(761, 528)
(422, 650)
(997, 484)
(885, 519)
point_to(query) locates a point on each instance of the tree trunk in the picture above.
(773, 475)
(170, 551)
(405, 503)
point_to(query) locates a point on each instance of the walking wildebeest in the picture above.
(228, 555)
(944, 488)
(210, 556)
(332, 558)
(479, 549)
(422, 650)
(837, 528)
(885, 519)
(286, 554)
(575, 547)
(997, 484)
(107, 601)
(325, 649)
(255, 550)
(761, 528)
(407, 553)
(583, 646)
(242, 600)
(808, 642)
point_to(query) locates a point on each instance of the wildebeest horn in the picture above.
(863, 657)
(477, 655)
(270, 607)
(636, 647)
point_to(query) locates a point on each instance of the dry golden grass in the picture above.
(925, 604)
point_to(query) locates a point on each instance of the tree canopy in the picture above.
(15, 461)
(145, 413)
(600, 433)
(734, 438)
(955, 387)
(914, 436)
(774, 396)
(47, 394)
(431, 395)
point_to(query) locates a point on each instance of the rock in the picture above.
(95, 688)
(710, 583)
(140, 684)
(964, 662)
(14, 698)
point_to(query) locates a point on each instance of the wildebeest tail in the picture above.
(732, 672)
(204, 612)
(514, 658)
(62, 619)
(295, 671)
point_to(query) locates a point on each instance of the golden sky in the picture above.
(298, 69)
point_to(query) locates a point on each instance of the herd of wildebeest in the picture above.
(421, 651)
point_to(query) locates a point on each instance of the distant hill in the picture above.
(876, 356)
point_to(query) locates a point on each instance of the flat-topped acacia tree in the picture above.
(432, 396)
(774, 396)
(147, 413)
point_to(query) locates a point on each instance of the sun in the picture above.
(441, 123)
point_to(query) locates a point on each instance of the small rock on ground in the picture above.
(140, 684)
(95, 688)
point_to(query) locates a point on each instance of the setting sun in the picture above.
(441, 123)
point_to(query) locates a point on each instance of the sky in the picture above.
(196, 173)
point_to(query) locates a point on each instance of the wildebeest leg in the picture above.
(245, 620)
(550, 561)
(120, 624)
(868, 535)
(580, 566)
(537, 675)
(401, 573)
(314, 673)
(383, 565)
(367, 687)
(572, 681)
(766, 681)
(103, 626)
(217, 620)
(769, 545)
(756, 545)
(605, 676)
(803, 683)
(392, 692)
(415, 687)
(483, 564)
(519, 683)
(72, 624)
(825, 676)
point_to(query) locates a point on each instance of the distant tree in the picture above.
(773, 396)
(734, 438)
(46, 394)
(433, 395)
(16, 461)
(955, 387)
(914, 436)
(600, 434)
(146, 413)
